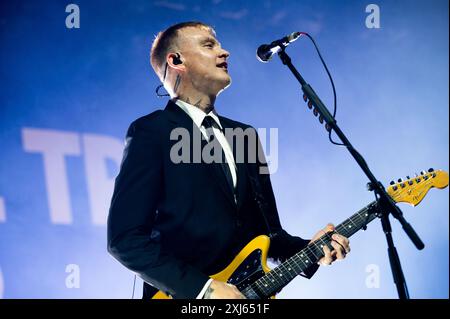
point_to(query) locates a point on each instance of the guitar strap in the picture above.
(255, 187)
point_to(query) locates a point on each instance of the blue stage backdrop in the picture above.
(74, 75)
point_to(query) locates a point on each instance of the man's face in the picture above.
(204, 60)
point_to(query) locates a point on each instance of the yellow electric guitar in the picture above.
(251, 275)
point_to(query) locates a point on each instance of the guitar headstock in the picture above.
(413, 190)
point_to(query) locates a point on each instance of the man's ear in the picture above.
(175, 61)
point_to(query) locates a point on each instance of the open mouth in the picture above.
(223, 65)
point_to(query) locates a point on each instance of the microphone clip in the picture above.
(266, 51)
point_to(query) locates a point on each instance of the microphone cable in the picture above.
(332, 84)
(159, 87)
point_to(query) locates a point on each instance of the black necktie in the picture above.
(208, 123)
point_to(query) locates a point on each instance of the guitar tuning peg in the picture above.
(321, 119)
(400, 180)
(309, 104)
(305, 98)
(407, 177)
(328, 127)
(315, 112)
(430, 170)
(422, 173)
(392, 183)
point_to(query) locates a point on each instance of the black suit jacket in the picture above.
(176, 224)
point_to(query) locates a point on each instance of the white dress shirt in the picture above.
(197, 115)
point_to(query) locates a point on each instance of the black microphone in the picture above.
(266, 51)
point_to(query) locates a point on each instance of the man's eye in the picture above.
(209, 45)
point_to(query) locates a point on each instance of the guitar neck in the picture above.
(277, 278)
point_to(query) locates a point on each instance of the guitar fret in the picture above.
(351, 221)
(295, 266)
(270, 277)
(323, 243)
(288, 271)
(303, 255)
(312, 251)
(288, 262)
(359, 219)
(278, 277)
(260, 287)
(342, 230)
(265, 281)
(272, 283)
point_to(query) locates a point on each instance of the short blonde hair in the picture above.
(165, 42)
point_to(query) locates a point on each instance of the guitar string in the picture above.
(426, 182)
(403, 190)
(267, 283)
(291, 262)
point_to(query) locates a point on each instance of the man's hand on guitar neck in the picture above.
(221, 290)
(340, 244)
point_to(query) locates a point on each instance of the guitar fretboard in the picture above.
(274, 280)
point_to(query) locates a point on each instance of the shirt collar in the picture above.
(196, 114)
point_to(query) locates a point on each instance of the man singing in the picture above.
(177, 223)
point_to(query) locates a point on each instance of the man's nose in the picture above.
(224, 53)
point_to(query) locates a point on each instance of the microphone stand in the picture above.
(385, 203)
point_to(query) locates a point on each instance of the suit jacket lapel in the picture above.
(179, 117)
(241, 168)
